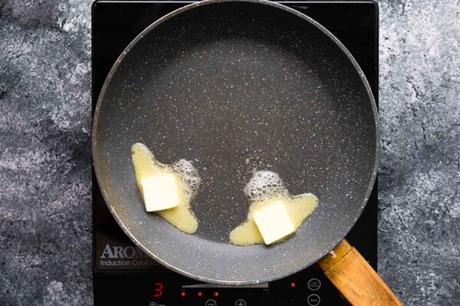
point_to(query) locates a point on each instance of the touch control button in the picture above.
(314, 284)
(313, 299)
(240, 302)
(211, 302)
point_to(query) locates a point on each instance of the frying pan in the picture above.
(235, 86)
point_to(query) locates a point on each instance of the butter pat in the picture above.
(273, 220)
(161, 191)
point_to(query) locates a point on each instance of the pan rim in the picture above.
(186, 8)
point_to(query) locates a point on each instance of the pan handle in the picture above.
(356, 280)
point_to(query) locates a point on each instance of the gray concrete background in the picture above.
(45, 185)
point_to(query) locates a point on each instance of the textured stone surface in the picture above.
(419, 228)
(45, 228)
(45, 174)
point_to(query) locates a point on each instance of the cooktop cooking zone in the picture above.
(123, 274)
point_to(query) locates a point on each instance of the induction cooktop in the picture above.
(123, 274)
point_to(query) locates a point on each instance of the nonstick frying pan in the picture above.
(235, 86)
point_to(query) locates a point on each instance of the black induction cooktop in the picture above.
(123, 274)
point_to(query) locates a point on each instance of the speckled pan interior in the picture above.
(237, 86)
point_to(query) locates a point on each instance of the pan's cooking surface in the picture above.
(234, 87)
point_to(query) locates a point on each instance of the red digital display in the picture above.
(158, 290)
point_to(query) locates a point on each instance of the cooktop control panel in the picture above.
(155, 289)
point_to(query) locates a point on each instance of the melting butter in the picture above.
(184, 187)
(266, 189)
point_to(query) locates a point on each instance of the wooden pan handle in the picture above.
(356, 280)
